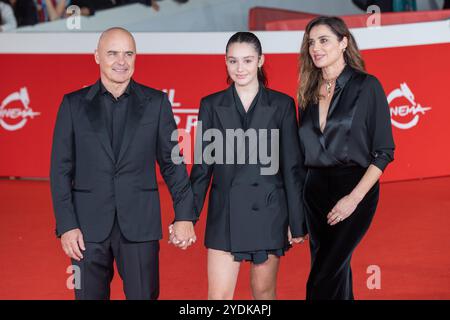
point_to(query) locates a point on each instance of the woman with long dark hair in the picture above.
(346, 144)
(253, 215)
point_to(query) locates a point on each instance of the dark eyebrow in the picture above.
(114, 51)
(231, 57)
(320, 37)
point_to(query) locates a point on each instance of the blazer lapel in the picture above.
(263, 112)
(93, 108)
(261, 117)
(228, 115)
(134, 113)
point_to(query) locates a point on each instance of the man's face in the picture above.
(116, 55)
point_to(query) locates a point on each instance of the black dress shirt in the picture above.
(115, 116)
(245, 116)
(358, 128)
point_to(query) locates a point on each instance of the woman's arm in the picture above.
(293, 172)
(347, 205)
(201, 171)
(382, 150)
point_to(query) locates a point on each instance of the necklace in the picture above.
(329, 84)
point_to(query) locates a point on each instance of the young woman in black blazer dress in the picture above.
(249, 211)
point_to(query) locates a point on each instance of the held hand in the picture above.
(172, 239)
(182, 234)
(71, 242)
(342, 210)
(295, 240)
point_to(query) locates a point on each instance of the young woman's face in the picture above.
(324, 47)
(242, 62)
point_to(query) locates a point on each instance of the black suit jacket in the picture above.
(89, 185)
(249, 211)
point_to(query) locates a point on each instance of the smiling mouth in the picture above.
(120, 70)
(318, 57)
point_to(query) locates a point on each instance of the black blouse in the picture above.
(246, 116)
(358, 128)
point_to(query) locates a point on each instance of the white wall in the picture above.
(214, 42)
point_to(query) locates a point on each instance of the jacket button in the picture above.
(255, 184)
(255, 208)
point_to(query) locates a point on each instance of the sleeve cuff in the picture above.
(61, 229)
(299, 228)
(380, 160)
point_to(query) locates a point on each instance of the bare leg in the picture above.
(263, 278)
(222, 275)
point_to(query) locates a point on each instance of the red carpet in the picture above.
(408, 240)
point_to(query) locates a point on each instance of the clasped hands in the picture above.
(182, 234)
(295, 240)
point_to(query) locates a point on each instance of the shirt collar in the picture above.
(344, 76)
(255, 100)
(126, 93)
(260, 87)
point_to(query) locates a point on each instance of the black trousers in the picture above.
(332, 246)
(137, 263)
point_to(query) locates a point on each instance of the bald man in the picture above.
(107, 140)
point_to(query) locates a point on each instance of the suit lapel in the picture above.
(93, 108)
(228, 115)
(261, 117)
(134, 113)
(263, 112)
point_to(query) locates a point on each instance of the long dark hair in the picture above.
(310, 76)
(250, 38)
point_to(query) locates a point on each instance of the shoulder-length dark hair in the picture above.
(252, 39)
(310, 76)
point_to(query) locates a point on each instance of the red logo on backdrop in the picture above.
(405, 112)
(186, 116)
(15, 110)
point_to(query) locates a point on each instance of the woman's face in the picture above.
(242, 63)
(324, 47)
